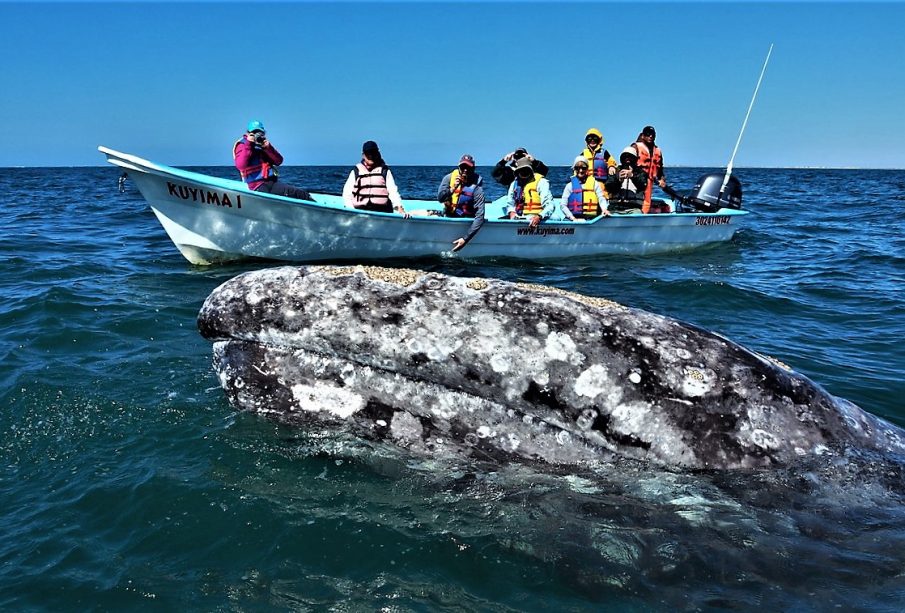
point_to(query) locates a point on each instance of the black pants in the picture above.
(380, 208)
(278, 188)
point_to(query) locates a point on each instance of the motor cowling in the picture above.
(705, 195)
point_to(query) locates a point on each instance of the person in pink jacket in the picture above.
(257, 161)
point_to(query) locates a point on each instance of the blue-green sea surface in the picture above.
(127, 481)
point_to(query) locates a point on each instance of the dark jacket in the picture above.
(621, 197)
(504, 174)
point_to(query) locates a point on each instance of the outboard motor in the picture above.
(705, 195)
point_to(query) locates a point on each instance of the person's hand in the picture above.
(402, 212)
(508, 157)
(625, 173)
(458, 244)
(662, 183)
(611, 170)
(535, 221)
(512, 215)
(265, 144)
(606, 213)
(459, 181)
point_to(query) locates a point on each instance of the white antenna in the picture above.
(745, 123)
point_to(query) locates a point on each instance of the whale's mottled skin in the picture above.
(499, 370)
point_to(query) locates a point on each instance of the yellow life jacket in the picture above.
(599, 162)
(454, 191)
(527, 199)
(583, 201)
(461, 197)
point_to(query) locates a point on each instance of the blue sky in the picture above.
(177, 83)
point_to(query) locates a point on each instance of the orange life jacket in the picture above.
(651, 163)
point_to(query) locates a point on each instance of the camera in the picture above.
(259, 138)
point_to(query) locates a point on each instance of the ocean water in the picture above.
(127, 481)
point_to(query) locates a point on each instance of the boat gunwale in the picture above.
(133, 162)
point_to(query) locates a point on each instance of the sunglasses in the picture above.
(464, 168)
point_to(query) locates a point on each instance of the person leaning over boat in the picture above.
(462, 195)
(257, 159)
(371, 186)
(504, 171)
(582, 198)
(626, 188)
(603, 164)
(650, 159)
(529, 195)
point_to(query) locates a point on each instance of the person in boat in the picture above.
(504, 171)
(371, 186)
(601, 163)
(462, 195)
(529, 195)
(626, 188)
(257, 160)
(650, 160)
(583, 198)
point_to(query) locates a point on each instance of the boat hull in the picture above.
(213, 220)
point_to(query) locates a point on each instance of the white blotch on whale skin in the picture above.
(405, 428)
(633, 419)
(327, 398)
(764, 439)
(634, 377)
(414, 346)
(594, 381)
(500, 363)
(445, 409)
(542, 378)
(542, 328)
(559, 346)
(255, 294)
(511, 442)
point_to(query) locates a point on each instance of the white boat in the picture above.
(214, 220)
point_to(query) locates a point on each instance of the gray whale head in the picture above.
(496, 370)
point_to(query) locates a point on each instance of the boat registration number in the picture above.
(719, 220)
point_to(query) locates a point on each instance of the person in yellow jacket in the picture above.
(601, 164)
(529, 195)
